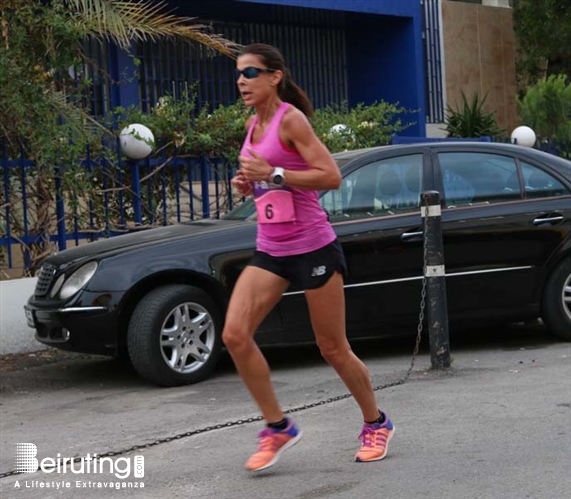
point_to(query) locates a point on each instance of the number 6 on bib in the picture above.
(275, 206)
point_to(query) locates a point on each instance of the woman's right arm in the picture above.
(243, 185)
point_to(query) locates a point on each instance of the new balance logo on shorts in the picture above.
(317, 271)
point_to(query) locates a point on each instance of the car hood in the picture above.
(138, 240)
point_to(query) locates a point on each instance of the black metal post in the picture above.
(437, 312)
(136, 192)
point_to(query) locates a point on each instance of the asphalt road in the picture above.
(496, 425)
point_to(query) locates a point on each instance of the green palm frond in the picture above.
(79, 120)
(125, 22)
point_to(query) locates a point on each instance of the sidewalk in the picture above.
(15, 335)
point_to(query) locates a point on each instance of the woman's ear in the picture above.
(277, 77)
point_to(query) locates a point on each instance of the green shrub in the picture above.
(470, 119)
(220, 133)
(177, 126)
(546, 108)
(363, 126)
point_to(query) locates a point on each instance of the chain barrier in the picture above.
(300, 408)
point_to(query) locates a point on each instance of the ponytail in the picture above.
(288, 90)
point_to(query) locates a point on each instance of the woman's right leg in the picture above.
(257, 291)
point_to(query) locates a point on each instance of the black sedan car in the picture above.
(161, 295)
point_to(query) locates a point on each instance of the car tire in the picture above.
(556, 312)
(174, 335)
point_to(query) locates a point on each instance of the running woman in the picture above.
(284, 165)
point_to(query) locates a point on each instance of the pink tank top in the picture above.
(290, 220)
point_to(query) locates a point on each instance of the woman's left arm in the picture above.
(323, 172)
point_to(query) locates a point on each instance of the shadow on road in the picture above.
(512, 337)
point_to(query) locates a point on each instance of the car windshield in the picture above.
(245, 210)
(242, 211)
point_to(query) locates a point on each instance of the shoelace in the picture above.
(267, 440)
(367, 435)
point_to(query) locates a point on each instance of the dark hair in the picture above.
(288, 90)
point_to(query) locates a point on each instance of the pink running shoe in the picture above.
(375, 441)
(271, 444)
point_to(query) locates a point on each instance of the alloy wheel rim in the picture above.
(187, 338)
(566, 297)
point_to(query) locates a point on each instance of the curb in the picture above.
(15, 335)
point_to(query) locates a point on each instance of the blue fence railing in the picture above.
(50, 209)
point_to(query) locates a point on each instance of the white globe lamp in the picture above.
(343, 130)
(524, 136)
(137, 141)
(339, 128)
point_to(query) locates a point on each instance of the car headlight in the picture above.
(77, 280)
(57, 286)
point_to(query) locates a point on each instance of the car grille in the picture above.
(45, 278)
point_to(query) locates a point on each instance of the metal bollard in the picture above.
(437, 312)
(136, 191)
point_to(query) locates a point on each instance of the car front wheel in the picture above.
(174, 335)
(557, 301)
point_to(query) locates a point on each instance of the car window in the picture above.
(387, 187)
(539, 184)
(242, 211)
(478, 178)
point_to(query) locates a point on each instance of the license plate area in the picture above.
(30, 318)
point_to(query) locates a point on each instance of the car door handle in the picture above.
(548, 220)
(407, 236)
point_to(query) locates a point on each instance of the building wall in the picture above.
(479, 55)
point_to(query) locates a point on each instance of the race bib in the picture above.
(275, 206)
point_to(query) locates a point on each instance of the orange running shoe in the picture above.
(375, 439)
(271, 444)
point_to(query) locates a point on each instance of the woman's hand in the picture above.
(242, 185)
(256, 168)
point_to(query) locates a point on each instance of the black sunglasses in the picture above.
(252, 72)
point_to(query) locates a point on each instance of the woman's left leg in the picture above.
(327, 312)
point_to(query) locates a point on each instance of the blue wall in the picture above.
(386, 63)
(407, 8)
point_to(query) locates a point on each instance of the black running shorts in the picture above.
(307, 270)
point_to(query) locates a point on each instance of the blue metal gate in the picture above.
(313, 41)
(431, 36)
(127, 196)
